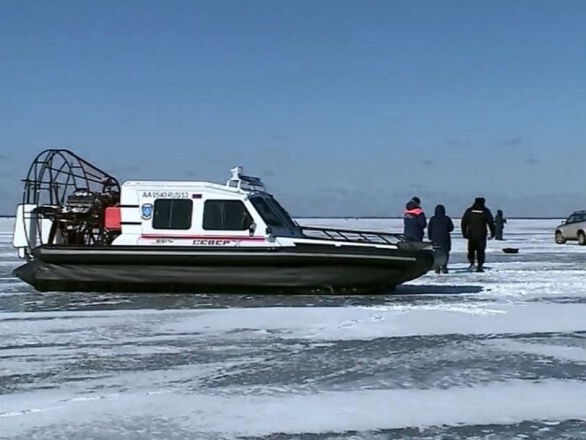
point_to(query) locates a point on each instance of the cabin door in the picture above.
(228, 222)
(168, 221)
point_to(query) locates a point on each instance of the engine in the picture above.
(65, 201)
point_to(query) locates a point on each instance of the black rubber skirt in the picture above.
(302, 269)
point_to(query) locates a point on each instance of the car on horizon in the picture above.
(573, 228)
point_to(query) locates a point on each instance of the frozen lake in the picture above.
(496, 355)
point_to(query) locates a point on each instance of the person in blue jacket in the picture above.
(439, 232)
(414, 221)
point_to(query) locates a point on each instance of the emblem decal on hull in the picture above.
(146, 211)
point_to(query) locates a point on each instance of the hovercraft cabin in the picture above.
(199, 213)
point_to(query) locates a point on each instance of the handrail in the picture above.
(363, 236)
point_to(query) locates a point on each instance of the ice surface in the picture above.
(495, 355)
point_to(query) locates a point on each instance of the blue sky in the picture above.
(343, 107)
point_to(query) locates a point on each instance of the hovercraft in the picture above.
(79, 229)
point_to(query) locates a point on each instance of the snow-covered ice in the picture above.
(500, 354)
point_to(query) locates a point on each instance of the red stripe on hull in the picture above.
(207, 237)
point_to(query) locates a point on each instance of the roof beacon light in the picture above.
(243, 182)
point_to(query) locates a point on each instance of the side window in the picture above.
(571, 219)
(172, 214)
(226, 215)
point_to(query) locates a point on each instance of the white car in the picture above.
(573, 228)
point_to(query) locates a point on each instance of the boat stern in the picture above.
(26, 273)
(440, 256)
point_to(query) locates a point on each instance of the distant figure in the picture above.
(414, 221)
(499, 221)
(475, 222)
(439, 232)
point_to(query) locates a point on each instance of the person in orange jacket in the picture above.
(414, 221)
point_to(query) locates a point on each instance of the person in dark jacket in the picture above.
(475, 222)
(439, 232)
(414, 221)
(499, 221)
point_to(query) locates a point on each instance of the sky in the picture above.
(343, 107)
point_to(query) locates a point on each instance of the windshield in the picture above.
(283, 213)
(272, 212)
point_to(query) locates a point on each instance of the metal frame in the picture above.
(53, 177)
(336, 234)
(72, 167)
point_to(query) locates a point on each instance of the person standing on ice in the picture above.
(499, 221)
(475, 222)
(414, 221)
(439, 232)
